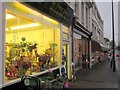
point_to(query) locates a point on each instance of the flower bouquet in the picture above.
(23, 63)
(36, 66)
(42, 58)
(11, 72)
(45, 59)
(26, 63)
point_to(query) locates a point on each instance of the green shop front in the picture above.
(34, 37)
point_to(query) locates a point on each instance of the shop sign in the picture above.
(57, 10)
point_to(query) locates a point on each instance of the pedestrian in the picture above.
(111, 58)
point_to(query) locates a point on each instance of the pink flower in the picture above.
(67, 84)
(49, 70)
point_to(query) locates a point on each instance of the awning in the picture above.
(95, 46)
(104, 48)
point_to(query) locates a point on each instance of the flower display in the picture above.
(27, 59)
(11, 71)
(42, 58)
(19, 64)
(45, 59)
(23, 62)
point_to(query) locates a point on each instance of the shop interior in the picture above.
(32, 46)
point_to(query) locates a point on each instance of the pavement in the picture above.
(99, 76)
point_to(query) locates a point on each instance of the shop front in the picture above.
(77, 55)
(99, 52)
(81, 50)
(32, 43)
(66, 59)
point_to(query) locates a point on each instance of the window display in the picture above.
(32, 45)
(80, 48)
(77, 42)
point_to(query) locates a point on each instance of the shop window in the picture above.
(32, 46)
(85, 53)
(77, 47)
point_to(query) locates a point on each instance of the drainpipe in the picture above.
(90, 52)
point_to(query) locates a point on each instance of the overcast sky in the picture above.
(106, 14)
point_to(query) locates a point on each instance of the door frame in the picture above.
(68, 68)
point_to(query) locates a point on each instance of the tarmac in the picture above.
(99, 76)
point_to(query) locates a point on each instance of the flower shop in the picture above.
(31, 42)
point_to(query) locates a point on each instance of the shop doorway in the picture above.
(65, 56)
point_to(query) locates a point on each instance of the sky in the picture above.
(105, 10)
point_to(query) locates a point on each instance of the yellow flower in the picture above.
(7, 62)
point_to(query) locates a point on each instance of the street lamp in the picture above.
(113, 58)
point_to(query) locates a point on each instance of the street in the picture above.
(100, 76)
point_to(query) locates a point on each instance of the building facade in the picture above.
(99, 46)
(33, 40)
(88, 37)
(52, 36)
(81, 34)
